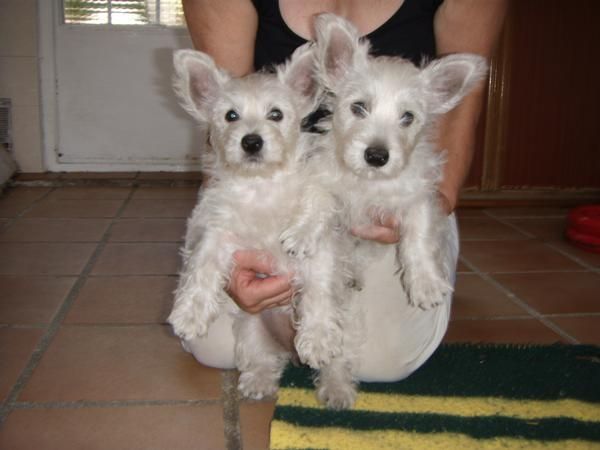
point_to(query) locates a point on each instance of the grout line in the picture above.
(490, 318)
(231, 410)
(519, 302)
(554, 247)
(490, 212)
(508, 224)
(574, 258)
(24, 326)
(56, 321)
(11, 220)
(561, 315)
(530, 272)
(111, 404)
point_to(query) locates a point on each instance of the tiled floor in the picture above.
(86, 276)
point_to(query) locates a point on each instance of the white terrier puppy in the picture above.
(384, 110)
(261, 196)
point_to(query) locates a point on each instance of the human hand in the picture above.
(385, 228)
(254, 293)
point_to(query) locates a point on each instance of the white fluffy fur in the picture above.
(370, 98)
(267, 201)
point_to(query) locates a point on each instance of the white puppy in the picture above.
(261, 196)
(384, 111)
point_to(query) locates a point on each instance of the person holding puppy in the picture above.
(247, 35)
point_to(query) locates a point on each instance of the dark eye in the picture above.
(275, 115)
(231, 116)
(359, 109)
(407, 118)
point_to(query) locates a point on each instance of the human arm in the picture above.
(471, 26)
(226, 30)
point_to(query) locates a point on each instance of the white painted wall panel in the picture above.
(114, 104)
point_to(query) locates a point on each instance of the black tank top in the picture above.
(407, 33)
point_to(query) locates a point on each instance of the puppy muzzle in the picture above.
(252, 143)
(376, 156)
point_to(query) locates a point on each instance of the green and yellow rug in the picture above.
(464, 397)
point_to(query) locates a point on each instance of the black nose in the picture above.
(252, 143)
(377, 156)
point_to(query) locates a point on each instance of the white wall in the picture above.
(19, 79)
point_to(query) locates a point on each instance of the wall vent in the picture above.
(5, 123)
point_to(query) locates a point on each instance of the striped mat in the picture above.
(464, 397)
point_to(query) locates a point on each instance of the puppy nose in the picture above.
(377, 156)
(252, 143)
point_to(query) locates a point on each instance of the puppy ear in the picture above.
(197, 81)
(449, 79)
(299, 71)
(339, 49)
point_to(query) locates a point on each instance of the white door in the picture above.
(108, 102)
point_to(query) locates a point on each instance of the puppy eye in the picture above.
(407, 118)
(275, 115)
(231, 116)
(359, 109)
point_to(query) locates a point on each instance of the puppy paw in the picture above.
(188, 321)
(298, 242)
(257, 386)
(337, 395)
(428, 292)
(318, 345)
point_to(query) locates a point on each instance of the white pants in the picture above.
(400, 337)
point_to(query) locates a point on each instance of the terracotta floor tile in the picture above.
(470, 212)
(556, 293)
(541, 211)
(547, 229)
(123, 300)
(29, 194)
(16, 346)
(75, 208)
(518, 331)
(90, 193)
(44, 258)
(138, 259)
(146, 207)
(462, 267)
(255, 422)
(161, 192)
(148, 230)
(585, 329)
(16, 200)
(514, 256)
(475, 297)
(55, 230)
(125, 428)
(31, 300)
(119, 363)
(589, 258)
(486, 228)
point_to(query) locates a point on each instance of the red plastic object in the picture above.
(583, 227)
